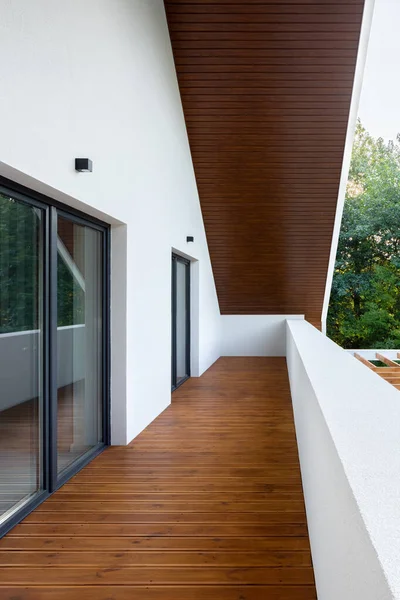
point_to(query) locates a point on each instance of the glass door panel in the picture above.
(181, 323)
(180, 320)
(21, 353)
(79, 340)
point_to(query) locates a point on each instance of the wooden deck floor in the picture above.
(206, 504)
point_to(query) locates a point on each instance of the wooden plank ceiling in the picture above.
(266, 89)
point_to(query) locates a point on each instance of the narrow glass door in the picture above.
(21, 353)
(180, 320)
(79, 340)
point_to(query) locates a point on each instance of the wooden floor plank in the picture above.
(195, 506)
(262, 518)
(271, 493)
(236, 592)
(29, 575)
(205, 504)
(161, 529)
(160, 558)
(166, 544)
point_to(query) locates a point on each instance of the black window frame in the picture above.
(175, 259)
(51, 208)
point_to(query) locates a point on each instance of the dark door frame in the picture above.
(51, 481)
(175, 259)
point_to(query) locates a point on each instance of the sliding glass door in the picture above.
(180, 320)
(53, 348)
(21, 353)
(79, 340)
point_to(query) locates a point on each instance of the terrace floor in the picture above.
(206, 503)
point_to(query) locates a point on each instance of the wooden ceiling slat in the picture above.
(263, 77)
(262, 8)
(187, 3)
(255, 29)
(266, 88)
(260, 41)
(304, 14)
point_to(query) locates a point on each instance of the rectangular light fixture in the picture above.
(83, 165)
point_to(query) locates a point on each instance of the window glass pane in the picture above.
(79, 340)
(21, 343)
(181, 326)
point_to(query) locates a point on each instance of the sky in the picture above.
(379, 108)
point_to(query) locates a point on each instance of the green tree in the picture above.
(364, 309)
(19, 266)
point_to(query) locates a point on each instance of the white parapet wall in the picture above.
(348, 432)
(254, 335)
(19, 352)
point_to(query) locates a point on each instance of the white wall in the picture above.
(97, 79)
(254, 335)
(348, 432)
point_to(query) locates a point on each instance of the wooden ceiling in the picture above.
(266, 89)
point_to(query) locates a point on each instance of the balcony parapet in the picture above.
(348, 431)
(19, 382)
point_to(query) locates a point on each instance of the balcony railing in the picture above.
(19, 380)
(348, 432)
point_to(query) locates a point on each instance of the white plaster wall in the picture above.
(348, 431)
(254, 335)
(97, 79)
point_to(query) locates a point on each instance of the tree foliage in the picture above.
(364, 309)
(19, 273)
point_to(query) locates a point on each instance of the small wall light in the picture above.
(190, 238)
(83, 165)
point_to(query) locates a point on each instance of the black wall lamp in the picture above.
(83, 165)
(190, 238)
